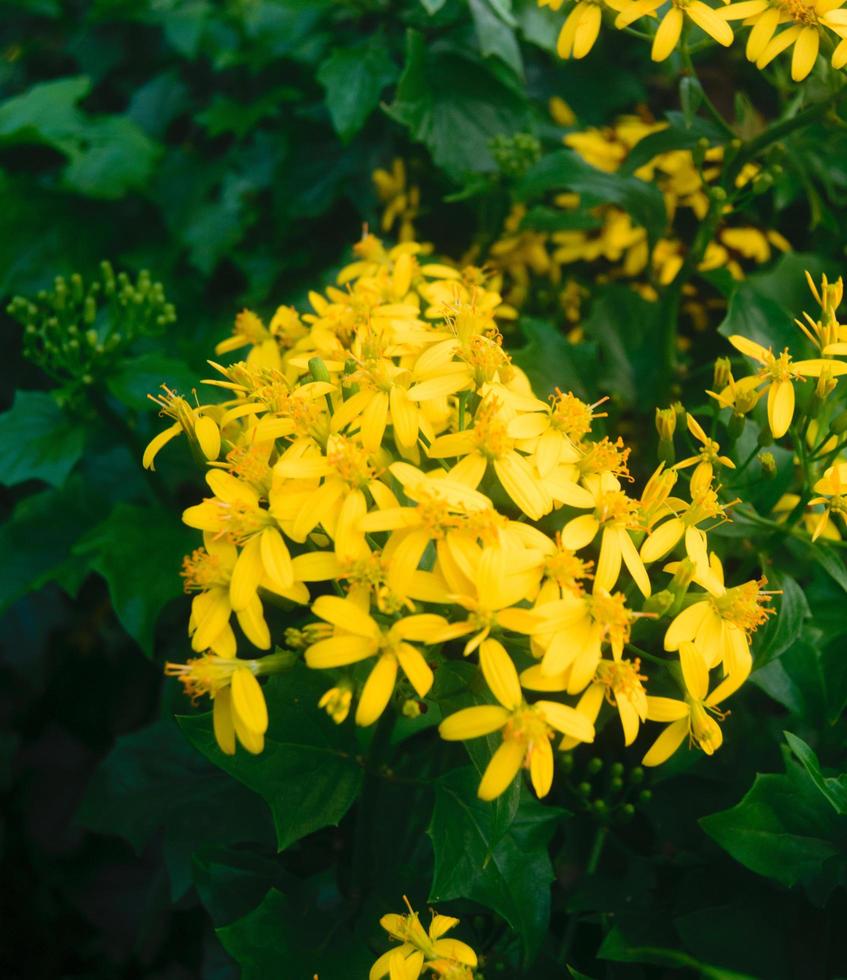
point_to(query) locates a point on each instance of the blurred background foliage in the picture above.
(220, 155)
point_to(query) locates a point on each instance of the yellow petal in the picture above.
(500, 674)
(338, 651)
(346, 615)
(276, 558)
(541, 767)
(377, 690)
(222, 721)
(567, 720)
(667, 34)
(667, 743)
(521, 485)
(156, 443)
(709, 21)
(246, 575)
(415, 668)
(502, 769)
(248, 701)
(805, 53)
(251, 619)
(666, 709)
(780, 407)
(694, 670)
(473, 722)
(209, 436)
(749, 347)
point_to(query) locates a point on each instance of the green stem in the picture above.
(711, 108)
(590, 868)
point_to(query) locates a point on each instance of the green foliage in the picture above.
(307, 774)
(40, 442)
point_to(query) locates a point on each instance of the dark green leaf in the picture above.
(117, 156)
(618, 948)
(551, 361)
(454, 105)
(153, 779)
(138, 550)
(283, 937)
(498, 860)
(40, 441)
(566, 170)
(354, 79)
(834, 789)
(137, 377)
(784, 829)
(37, 538)
(495, 32)
(782, 629)
(47, 113)
(307, 773)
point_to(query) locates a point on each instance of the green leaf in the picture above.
(117, 156)
(232, 881)
(551, 361)
(137, 377)
(138, 551)
(835, 790)
(495, 32)
(40, 441)
(783, 628)
(307, 773)
(809, 679)
(785, 830)
(454, 104)
(354, 79)
(36, 540)
(494, 853)
(285, 937)
(153, 779)
(618, 948)
(432, 6)
(566, 170)
(46, 113)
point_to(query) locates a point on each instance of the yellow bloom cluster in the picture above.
(819, 443)
(382, 461)
(423, 949)
(805, 24)
(524, 257)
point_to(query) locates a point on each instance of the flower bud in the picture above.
(722, 375)
(768, 464)
(666, 423)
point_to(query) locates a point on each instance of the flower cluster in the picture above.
(775, 26)
(817, 428)
(380, 462)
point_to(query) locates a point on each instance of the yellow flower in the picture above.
(779, 373)
(423, 948)
(614, 516)
(572, 631)
(833, 489)
(401, 201)
(238, 704)
(719, 623)
(619, 683)
(670, 27)
(705, 462)
(526, 728)
(249, 330)
(358, 636)
(693, 716)
(336, 702)
(202, 430)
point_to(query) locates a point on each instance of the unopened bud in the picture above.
(659, 603)
(318, 369)
(722, 374)
(768, 464)
(665, 423)
(595, 765)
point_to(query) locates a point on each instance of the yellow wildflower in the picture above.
(526, 729)
(423, 949)
(670, 27)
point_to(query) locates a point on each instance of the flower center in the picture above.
(744, 605)
(202, 571)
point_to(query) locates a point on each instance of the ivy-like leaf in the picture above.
(834, 789)
(153, 779)
(484, 853)
(284, 937)
(495, 32)
(138, 551)
(116, 156)
(307, 773)
(783, 628)
(47, 113)
(354, 79)
(786, 830)
(39, 440)
(455, 104)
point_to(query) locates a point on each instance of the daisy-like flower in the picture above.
(581, 27)
(720, 623)
(694, 717)
(358, 636)
(201, 429)
(705, 461)
(807, 19)
(670, 27)
(238, 704)
(779, 372)
(614, 515)
(832, 488)
(423, 949)
(526, 728)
